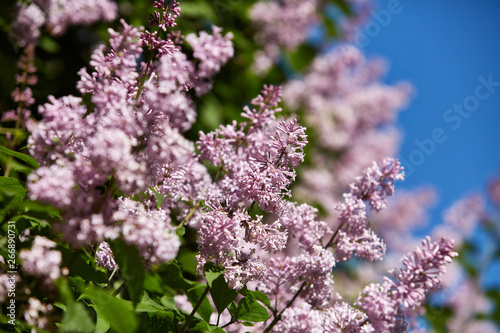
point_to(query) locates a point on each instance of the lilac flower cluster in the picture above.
(22, 93)
(257, 159)
(127, 140)
(281, 24)
(57, 15)
(424, 267)
(41, 260)
(37, 313)
(374, 186)
(104, 257)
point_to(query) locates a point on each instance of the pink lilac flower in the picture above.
(229, 239)
(258, 157)
(468, 303)
(301, 222)
(62, 14)
(37, 313)
(165, 15)
(281, 24)
(57, 16)
(406, 211)
(465, 214)
(104, 257)
(149, 230)
(128, 140)
(41, 260)
(211, 51)
(341, 318)
(25, 28)
(494, 190)
(374, 186)
(423, 269)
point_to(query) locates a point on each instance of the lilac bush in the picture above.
(137, 216)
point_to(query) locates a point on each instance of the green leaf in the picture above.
(102, 324)
(48, 44)
(212, 272)
(198, 10)
(40, 210)
(78, 267)
(247, 323)
(249, 309)
(128, 259)
(148, 305)
(180, 231)
(302, 57)
(194, 294)
(118, 312)
(344, 7)
(168, 302)
(221, 294)
(172, 276)
(77, 319)
(159, 197)
(23, 157)
(203, 326)
(11, 195)
(188, 260)
(261, 297)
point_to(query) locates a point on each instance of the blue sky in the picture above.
(445, 49)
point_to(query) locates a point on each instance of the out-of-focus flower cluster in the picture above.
(57, 15)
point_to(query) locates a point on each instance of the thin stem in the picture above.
(330, 242)
(278, 317)
(251, 206)
(191, 315)
(189, 215)
(229, 323)
(143, 77)
(120, 288)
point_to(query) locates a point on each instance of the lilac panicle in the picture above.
(301, 222)
(267, 103)
(281, 25)
(57, 16)
(211, 50)
(41, 260)
(25, 28)
(374, 186)
(104, 257)
(37, 313)
(149, 230)
(165, 15)
(230, 239)
(405, 294)
(422, 272)
(258, 156)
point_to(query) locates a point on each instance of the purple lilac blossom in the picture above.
(374, 186)
(149, 230)
(281, 24)
(37, 313)
(57, 16)
(104, 257)
(404, 295)
(41, 260)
